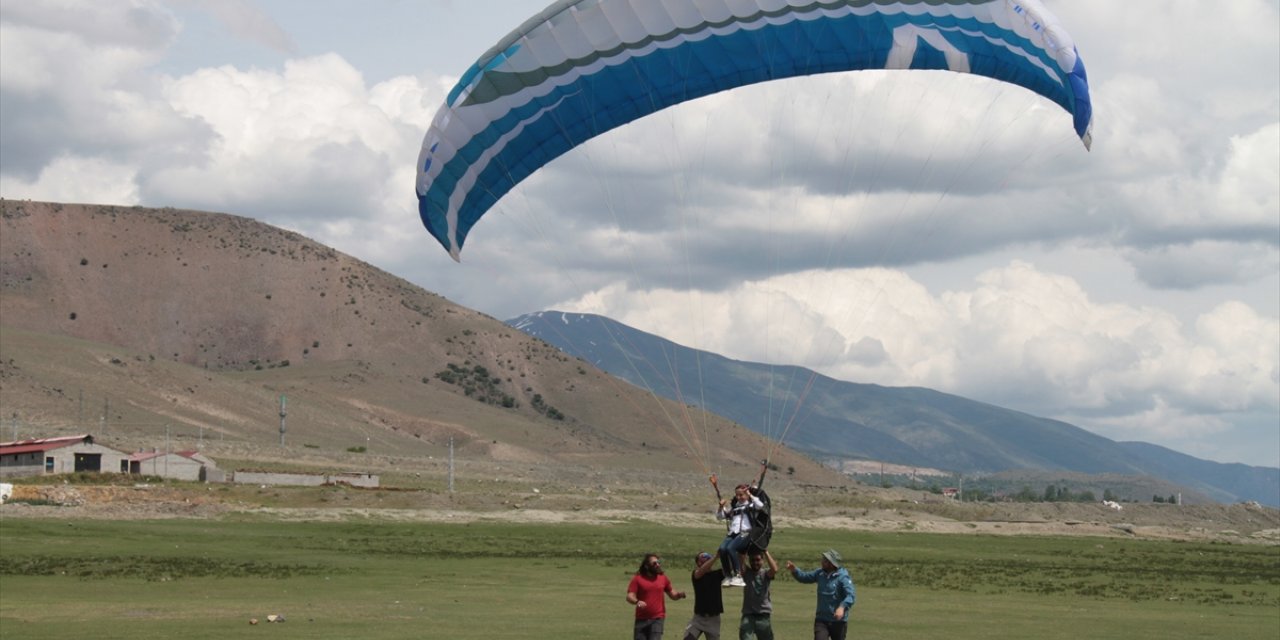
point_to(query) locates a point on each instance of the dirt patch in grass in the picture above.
(615, 501)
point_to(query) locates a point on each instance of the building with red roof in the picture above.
(64, 454)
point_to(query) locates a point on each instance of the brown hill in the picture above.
(147, 326)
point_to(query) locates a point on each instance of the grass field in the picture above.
(194, 579)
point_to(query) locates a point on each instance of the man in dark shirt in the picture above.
(757, 603)
(707, 603)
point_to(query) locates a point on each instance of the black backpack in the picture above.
(761, 524)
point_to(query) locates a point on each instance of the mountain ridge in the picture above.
(904, 425)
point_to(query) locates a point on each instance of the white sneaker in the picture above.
(737, 581)
(726, 583)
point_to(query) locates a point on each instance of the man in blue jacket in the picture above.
(835, 595)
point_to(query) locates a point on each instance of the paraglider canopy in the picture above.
(582, 67)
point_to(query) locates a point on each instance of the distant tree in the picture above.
(1051, 493)
(978, 495)
(1026, 494)
(1172, 499)
(1157, 499)
(1107, 494)
(1085, 496)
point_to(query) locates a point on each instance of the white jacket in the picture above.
(738, 511)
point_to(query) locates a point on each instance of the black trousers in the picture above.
(829, 630)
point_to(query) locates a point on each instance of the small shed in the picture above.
(180, 465)
(65, 454)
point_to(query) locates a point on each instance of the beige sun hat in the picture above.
(833, 557)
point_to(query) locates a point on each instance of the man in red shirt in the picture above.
(646, 593)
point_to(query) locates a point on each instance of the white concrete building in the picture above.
(180, 465)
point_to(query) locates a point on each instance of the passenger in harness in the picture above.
(749, 527)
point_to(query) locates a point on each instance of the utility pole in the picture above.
(450, 464)
(282, 416)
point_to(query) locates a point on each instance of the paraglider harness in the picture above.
(761, 519)
(761, 524)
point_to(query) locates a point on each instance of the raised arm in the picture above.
(705, 567)
(802, 576)
(773, 564)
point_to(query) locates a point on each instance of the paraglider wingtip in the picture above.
(454, 253)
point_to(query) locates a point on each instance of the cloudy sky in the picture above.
(924, 229)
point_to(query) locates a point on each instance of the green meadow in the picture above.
(374, 579)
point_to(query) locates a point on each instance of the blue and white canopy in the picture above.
(582, 67)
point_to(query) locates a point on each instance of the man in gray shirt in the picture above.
(757, 607)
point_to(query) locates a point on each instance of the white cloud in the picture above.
(1204, 262)
(1159, 423)
(1249, 189)
(71, 179)
(246, 21)
(74, 81)
(1240, 191)
(1239, 356)
(306, 145)
(129, 25)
